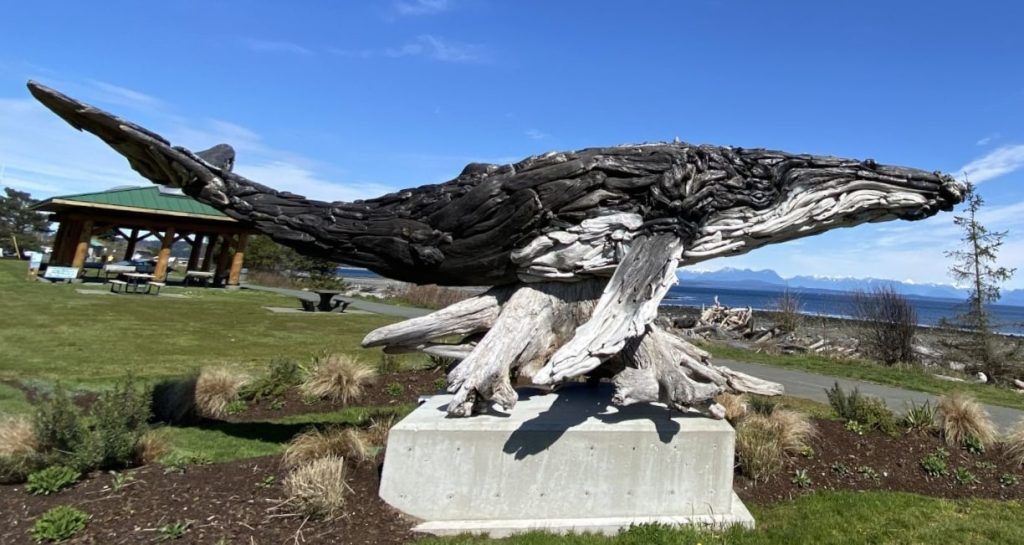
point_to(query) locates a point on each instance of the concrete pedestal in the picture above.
(560, 462)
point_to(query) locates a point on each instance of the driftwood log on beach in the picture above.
(580, 246)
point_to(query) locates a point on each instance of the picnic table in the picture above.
(205, 277)
(132, 281)
(326, 303)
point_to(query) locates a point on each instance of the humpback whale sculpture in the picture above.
(580, 247)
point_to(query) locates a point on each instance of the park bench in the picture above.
(151, 285)
(114, 270)
(117, 286)
(203, 277)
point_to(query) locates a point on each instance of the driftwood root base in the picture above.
(511, 333)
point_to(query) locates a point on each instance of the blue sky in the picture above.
(343, 100)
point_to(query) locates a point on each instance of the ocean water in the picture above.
(1007, 319)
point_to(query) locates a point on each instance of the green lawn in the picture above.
(911, 378)
(824, 518)
(53, 332)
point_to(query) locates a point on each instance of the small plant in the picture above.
(51, 480)
(178, 461)
(960, 417)
(871, 413)
(277, 404)
(868, 472)
(308, 399)
(855, 427)
(807, 452)
(440, 362)
(337, 378)
(394, 389)
(965, 477)
(973, 445)
(377, 431)
(331, 441)
(919, 418)
(237, 406)
(840, 469)
(934, 464)
(59, 524)
(762, 405)
(266, 482)
(801, 479)
(441, 384)
(388, 364)
(984, 465)
(120, 480)
(175, 530)
(284, 375)
(318, 488)
(1008, 479)
(216, 389)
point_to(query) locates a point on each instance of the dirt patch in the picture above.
(843, 460)
(236, 502)
(398, 388)
(83, 400)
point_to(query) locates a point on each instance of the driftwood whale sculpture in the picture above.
(580, 247)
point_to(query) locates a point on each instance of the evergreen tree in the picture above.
(19, 222)
(974, 265)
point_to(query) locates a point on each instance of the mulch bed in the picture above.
(222, 501)
(876, 461)
(411, 384)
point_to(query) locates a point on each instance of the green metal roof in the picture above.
(149, 198)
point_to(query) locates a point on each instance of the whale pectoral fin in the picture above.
(628, 304)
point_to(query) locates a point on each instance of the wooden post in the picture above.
(195, 252)
(82, 247)
(59, 241)
(160, 274)
(132, 239)
(222, 258)
(237, 260)
(211, 241)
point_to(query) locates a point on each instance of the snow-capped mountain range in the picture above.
(770, 280)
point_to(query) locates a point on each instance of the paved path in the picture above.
(812, 386)
(797, 383)
(361, 304)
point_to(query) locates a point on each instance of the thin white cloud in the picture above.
(421, 7)
(1001, 161)
(116, 94)
(274, 46)
(535, 134)
(987, 140)
(298, 179)
(425, 46)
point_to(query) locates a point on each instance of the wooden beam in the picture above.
(222, 258)
(82, 246)
(195, 252)
(160, 274)
(237, 260)
(58, 241)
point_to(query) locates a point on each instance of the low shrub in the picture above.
(17, 436)
(337, 378)
(431, 296)
(318, 488)
(174, 400)
(216, 389)
(868, 412)
(934, 463)
(759, 449)
(284, 375)
(59, 524)
(960, 417)
(121, 418)
(1013, 443)
(57, 425)
(919, 417)
(762, 405)
(51, 480)
(735, 406)
(332, 441)
(16, 468)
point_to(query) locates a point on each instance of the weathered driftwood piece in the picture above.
(719, 315)
(582, 246)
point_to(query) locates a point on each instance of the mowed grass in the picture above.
(823, 518)
(910, 378)
(53, 332)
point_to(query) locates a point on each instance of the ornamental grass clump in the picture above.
(17, 437)
(961, 419)
(337, 378)
(759, 449)
(318, 488)
(336, 441)
(216, 389)
(735, 406)
(1013, 443)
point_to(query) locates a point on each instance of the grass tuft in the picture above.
(1013, 443)
(335, 441)
(17, 436)
(152, 446)
(216, 389)
(759, 450)
(960, 417)
(735, 406)
(795, 429)
(318, 488)
(337, 378)
(379, 428)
